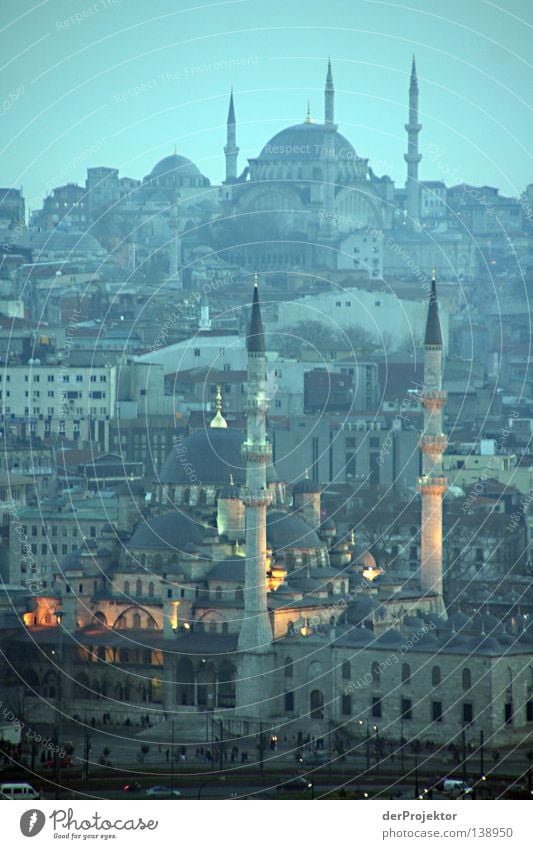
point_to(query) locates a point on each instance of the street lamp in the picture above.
(57, 732)
(376, 730)
(210, 781)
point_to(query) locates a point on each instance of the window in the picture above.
(347, 705)
(508, 713)
(376, 707)
(218, 593)
(151, 589)
(127, 587)
(346, 670)
(138, 588)
(406, 674)
(529, 711)
(407, 709)
(468, 712)
(436, 711)
(79, 378)
(467, 679)
(50, 378)
(289, 701)
(376, 673)
(288, 667)
(197, 352)
(435, 676)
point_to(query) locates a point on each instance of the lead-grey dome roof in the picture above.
(307, 141)
(209, 457)
(284, 530)
(169, 531)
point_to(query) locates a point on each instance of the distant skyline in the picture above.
(121, 83)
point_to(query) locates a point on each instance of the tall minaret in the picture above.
(328, 228)
(329, 99)
(432, 485)
(255, 638)
(231, 150)
(413, 157)
(174, 252)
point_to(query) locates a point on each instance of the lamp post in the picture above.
(376, 730)
(172, 760)
(481, 755)
(361, 722)
(59, 695)
(402, 747)
(463, 745)
(210, 781)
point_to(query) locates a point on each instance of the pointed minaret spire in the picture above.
(329, 99)
(255, 340)
(413, 157)
(309, 117)
(231, 151)
(433, 334)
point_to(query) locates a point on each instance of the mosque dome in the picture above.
(176, 170)
(209, 457)
(175, 531)
(306, 142)
(284, 530)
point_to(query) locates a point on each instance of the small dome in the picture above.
(305, 486)
(175, 165)
(174, 531)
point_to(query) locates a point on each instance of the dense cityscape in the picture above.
(266, 472)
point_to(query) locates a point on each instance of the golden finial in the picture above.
(308, 117)
(256, 279)
(434, 275)
(218, 419)
(306, 474)
(231, 481)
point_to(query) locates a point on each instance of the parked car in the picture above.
(299, 784)
(455, 787)
(161, 792)
(18, 790)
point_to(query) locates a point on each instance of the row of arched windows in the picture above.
(139, 588)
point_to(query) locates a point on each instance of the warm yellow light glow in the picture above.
(371, 572)
(28, 619)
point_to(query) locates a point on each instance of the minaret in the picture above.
(205, 321)
(329, 99)
(413, 157)
(231, 150)
(432, 485)
(255, 637)
(174, 252)
(328, 228)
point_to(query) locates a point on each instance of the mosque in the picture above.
(234, 601)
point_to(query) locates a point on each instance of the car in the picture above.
(20, 790)
(161, 792)
(132, 787)
(299, 784)
(455, 787)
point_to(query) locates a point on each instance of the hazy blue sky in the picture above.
(67, 99)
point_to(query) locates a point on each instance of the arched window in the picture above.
(329, 588)
(288, 667)
(346, 669)
(376, 673)
(127, 587)
(138, 588)
(467, 679)
(406, 673)
(239, 594)
(218, 593)
(213, 627)
(142, 559)
(151, 589)
(435, 676)
(136, 620)
(225, 628)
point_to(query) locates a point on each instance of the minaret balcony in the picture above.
(433, 399)
(433, 444)
(256, 498)
(427, 485)
(256, 406)
(256, 452)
